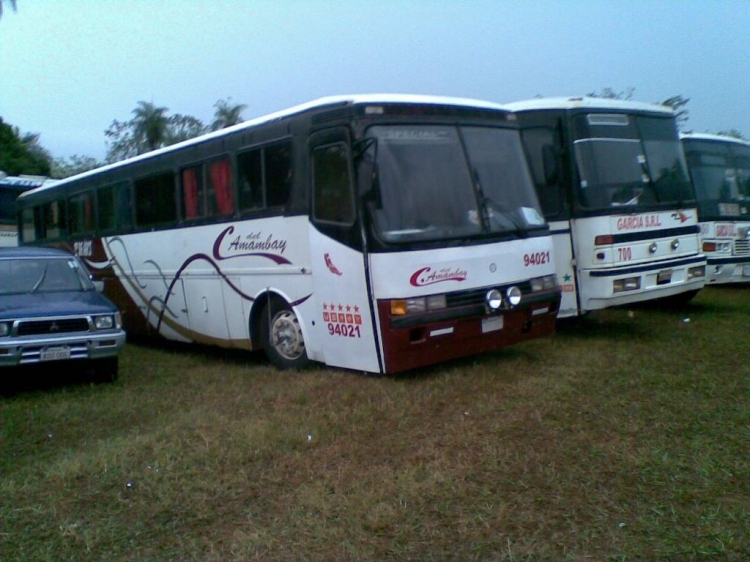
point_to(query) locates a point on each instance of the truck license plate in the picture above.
(55, 354)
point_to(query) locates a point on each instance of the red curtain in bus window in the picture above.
(190, 192)
(221, 178)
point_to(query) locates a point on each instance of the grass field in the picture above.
(625, 436)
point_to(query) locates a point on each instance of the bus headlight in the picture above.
(543, 283)
(720, 247)
(513, 295)
(4, 329)
(494, 299)
(627, 284)
(401, 307)
(695, 272)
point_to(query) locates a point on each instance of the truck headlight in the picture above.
(104, 322)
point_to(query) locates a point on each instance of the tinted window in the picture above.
(332, 194)
(265, 176)
(250, 171)
(155, 200)
(278, 176)
(81, 213)
(114, 207)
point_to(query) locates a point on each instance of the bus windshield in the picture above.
(438, 182)
(629, 160)
(721, 178)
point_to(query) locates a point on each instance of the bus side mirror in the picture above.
(550, 162)
(367, 182)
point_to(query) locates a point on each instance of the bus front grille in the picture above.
(742, 247)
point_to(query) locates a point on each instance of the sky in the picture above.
(68, 68)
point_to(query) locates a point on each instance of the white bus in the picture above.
(612, 181)
(10, 188)
(378, 233)
(720, 170)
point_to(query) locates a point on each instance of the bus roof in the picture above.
(328, 101)
(587, 103)
(22, 182)
(713, 137)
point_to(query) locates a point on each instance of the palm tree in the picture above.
(227, 114)
(150, 126)
(12, 5)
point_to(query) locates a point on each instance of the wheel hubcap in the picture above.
(286, 336)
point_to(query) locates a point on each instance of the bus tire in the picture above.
(282, 337)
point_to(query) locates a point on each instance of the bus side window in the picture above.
(113, 208)
(265, 176)
(250, 172)
(278, 176)
(155, 200)
(220, 193)
(81, 214)
(193, 193)
(55, 224)
(333, 201)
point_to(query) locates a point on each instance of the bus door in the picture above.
(549, 162)
(344, 328)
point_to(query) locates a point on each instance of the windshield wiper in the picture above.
(490, 209)
(41, 279)
(494, 210)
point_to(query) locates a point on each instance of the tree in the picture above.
(12, 5)
(121, 143)
(610, 94)
(734, 133)
(227, 114)
(66, 167)
(151, 128)
(677, 102)
(22, 153)
(183, 127)
(150, 125)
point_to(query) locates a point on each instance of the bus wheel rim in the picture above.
(286, 336)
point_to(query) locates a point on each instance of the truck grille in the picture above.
(54, 326)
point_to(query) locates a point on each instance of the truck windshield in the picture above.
(629, 160)
(438, 182)
(42, 275)
(721, 177)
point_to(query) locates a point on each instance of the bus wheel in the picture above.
(284, 343)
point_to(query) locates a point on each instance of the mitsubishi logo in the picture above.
(54, 327)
